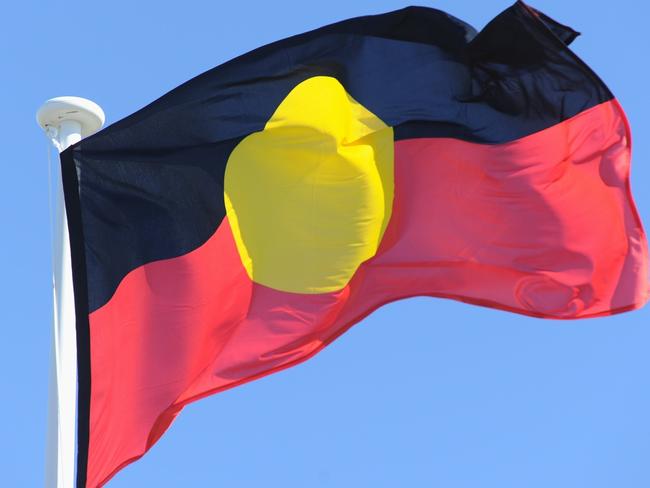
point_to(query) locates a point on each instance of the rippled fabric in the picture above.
(491, 168)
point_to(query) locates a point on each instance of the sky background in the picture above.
(424, 392)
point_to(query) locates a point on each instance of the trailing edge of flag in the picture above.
(243, 221)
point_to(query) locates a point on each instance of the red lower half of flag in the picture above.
(544, 226)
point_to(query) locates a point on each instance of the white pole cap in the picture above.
(57, 110)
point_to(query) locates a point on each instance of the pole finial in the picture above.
(57, 110)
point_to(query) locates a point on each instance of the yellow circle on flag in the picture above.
(309, 197)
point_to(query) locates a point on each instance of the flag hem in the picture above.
(82, 319)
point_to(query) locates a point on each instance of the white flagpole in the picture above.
(66, 120)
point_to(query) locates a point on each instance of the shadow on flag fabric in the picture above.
(243, 221)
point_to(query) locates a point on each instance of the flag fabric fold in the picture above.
(243, 221)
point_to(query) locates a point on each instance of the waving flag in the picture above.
(243, 221)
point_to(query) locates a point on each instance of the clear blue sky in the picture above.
(423, 393)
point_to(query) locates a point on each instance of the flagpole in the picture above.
(66, 120)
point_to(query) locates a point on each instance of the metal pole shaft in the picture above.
(60, 459)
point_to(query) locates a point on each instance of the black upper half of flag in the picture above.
(150, 186)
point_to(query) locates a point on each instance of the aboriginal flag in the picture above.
(243, 221)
